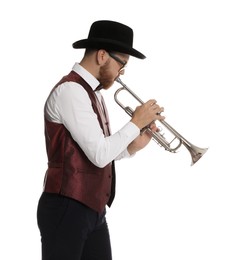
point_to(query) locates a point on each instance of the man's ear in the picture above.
(102, 57)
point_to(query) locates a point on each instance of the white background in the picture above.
(164, 209)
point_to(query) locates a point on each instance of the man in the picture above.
(80, 179)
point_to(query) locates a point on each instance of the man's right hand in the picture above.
(147, 113)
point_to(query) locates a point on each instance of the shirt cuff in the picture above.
(132, 131)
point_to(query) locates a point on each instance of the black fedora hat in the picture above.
(111, 36)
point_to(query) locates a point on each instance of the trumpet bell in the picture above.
(195, 152)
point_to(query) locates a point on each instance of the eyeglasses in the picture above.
(123, 63)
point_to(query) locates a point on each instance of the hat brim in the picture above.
(109, 45)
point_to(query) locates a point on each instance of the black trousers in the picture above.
(71, 231)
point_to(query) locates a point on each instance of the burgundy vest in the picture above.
(70, 172)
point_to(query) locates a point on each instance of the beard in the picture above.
(106, 78)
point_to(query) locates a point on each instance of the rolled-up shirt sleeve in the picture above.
(70, 105)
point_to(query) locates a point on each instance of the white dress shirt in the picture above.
(70, 105)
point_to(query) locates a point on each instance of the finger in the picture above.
(154, 128)
(158, 109)
(151, 102)
(161, 110)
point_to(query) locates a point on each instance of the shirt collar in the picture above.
(88, 77)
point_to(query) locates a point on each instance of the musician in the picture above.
(81, 150)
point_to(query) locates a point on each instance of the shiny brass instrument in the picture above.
(195, 152)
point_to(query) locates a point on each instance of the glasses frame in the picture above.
(123, 63)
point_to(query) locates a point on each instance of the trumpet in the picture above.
(195, 152)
